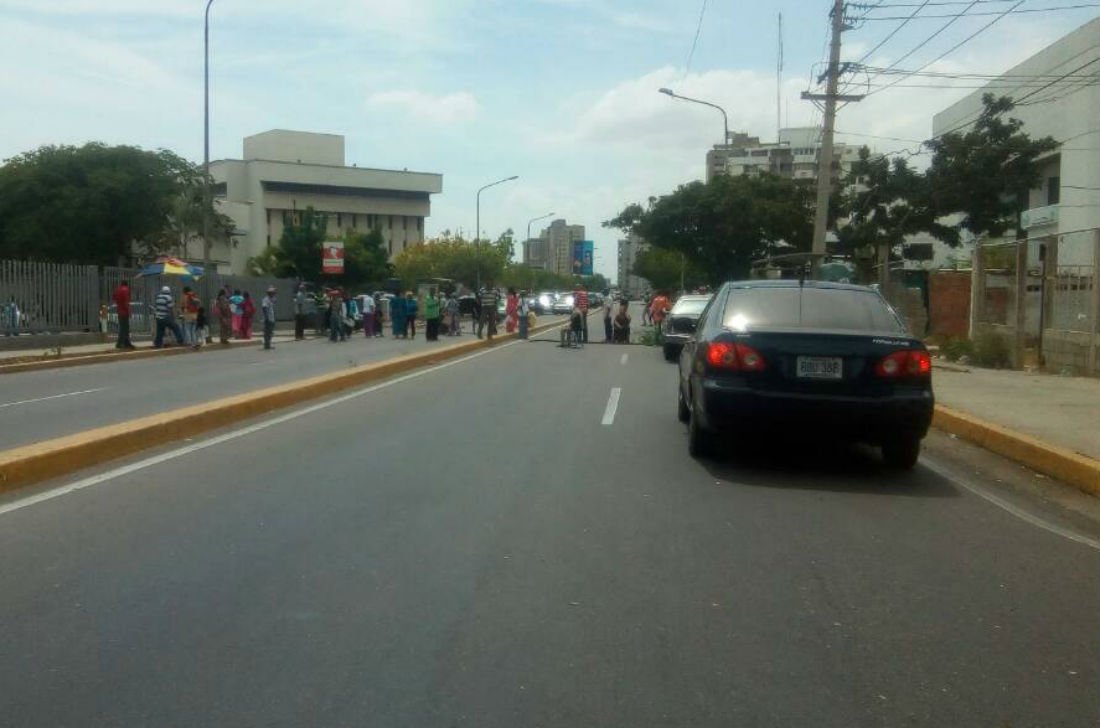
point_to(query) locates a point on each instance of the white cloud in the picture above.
(447, 110)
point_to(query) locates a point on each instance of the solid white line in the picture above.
(53, 396)
(623, 360)
(244, 432)
(612, 406)
(1020, 513)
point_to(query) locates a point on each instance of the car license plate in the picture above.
(820, 367)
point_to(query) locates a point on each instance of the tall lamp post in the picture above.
(477, 227)
(725, 119)
(535, 219)
(206, 201)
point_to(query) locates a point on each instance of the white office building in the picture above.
(794, 155)
(284, 172)
(1063, 104)
(629, 283)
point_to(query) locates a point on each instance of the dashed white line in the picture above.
(52, 396)
(612, 406)
(624, 358)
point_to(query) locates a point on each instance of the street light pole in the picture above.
(725, 119)
(477, 227)
(534, 219)
(206, 197)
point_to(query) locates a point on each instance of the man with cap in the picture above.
(268, 307)
(164, 309)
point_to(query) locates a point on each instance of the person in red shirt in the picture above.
(121, 298)
(580, 301)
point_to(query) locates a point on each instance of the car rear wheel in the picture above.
(700, 442)
(682, 412)
(901, 453)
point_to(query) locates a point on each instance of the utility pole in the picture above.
(207, 203)
(825, 157)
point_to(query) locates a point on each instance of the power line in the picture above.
(992, 12)
(955, 47)
(868, 8)
(892, 33)
(927, 40)
(695, 41)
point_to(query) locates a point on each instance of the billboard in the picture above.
(582, 257)
(332, 257)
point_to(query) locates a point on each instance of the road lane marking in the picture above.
(229, 436)
(612, 406)
(623, 360)
(1015, 510)
(52, 396)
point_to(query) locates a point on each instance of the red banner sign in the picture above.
(332, 258)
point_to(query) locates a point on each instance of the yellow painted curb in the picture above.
(29, 464)
(1057, 462)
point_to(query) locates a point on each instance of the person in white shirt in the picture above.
(366, 308)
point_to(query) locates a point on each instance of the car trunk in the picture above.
(824, 363)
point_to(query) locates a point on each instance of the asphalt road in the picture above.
(40, 405)
(473, 547)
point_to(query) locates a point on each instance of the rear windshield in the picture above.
(690, 305)
(809, 308)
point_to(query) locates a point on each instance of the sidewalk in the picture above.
(12, 356)
(1062, 411)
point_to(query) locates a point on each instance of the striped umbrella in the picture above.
(168, 266)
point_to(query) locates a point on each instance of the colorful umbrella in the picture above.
(168, 266)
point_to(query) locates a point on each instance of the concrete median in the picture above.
(1078, 470)
(23, 466)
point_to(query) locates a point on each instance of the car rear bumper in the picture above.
(732, 406)
(675, 339)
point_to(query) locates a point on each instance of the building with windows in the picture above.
(1057, 95)
(794, 156)
(553, 249)
(630, 284)
(284, 172)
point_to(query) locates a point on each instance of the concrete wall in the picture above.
(295, 146)
(1070, 350)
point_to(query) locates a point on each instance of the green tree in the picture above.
(453, 257)
(663, 268)
(94, 204)
(886, 200)
(985, 173)
(298, 254)
(722, 226)
(184, 223)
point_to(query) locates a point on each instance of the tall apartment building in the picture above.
(553, 250)
(629, 283)
(284, 172)
(793, 156)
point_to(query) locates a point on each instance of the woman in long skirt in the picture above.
(397, 316)
(511, 311)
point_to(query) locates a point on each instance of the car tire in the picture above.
(682, 412)
(700, 442)
(901, 453)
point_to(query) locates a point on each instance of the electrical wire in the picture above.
(695, 40)
(1080, 6)
(955, 47)
(893, 32)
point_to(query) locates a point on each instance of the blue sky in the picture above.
(559, 92)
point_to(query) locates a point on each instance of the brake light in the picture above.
(908, 363)
(734, 357)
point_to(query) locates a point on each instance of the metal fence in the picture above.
(40, 297)
(1041, 296)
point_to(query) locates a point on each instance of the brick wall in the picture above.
(949, 303)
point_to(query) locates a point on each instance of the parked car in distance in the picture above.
(680, 323)
(563, 304)
(826, 360)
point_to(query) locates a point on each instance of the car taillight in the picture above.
(909, 363)
(734, 357)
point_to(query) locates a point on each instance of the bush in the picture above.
(991, 350)
(955, 349)
(986, 350)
